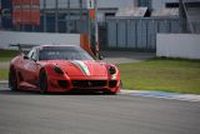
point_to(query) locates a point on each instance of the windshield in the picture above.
(63, 53)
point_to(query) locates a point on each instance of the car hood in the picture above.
(81, 68)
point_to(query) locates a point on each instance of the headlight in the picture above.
(58, 70)
(112, 70)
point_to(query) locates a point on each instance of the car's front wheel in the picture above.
(43, 83)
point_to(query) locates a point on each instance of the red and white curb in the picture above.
(163, 95)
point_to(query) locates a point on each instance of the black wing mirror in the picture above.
(26, 57)
(101, 57)
(34, 60)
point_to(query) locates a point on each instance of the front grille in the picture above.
(89, 83)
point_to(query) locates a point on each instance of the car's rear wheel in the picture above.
(43, 83)
(13, 80)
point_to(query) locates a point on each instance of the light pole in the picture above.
(80, 13)
(44, 16)
(68, 16)
(56, 16)
(96, 31)
(93, 26)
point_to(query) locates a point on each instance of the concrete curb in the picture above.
(151, 94)
(4, 82)
(163, 95)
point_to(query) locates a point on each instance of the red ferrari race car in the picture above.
(62, 68)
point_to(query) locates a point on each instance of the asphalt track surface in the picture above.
(32, 113)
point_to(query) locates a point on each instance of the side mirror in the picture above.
(26, 57)
(34, 60)
(101, 57)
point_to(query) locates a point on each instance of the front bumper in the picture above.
(83, 84)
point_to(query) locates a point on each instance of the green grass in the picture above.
(171, 75)
(3, 74)
(7, 55)
(5, 59)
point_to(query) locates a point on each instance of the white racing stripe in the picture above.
(82, 66)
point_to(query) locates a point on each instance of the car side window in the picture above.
(33, 54)
(30, 53)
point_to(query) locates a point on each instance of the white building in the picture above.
(165, 7)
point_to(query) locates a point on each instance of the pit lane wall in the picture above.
(36, 38)
(178, 46)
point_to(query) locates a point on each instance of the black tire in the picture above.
(13, 80)
(110, 93)
(43, 83)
